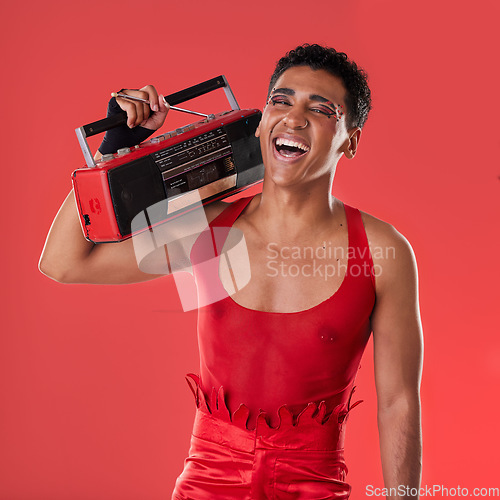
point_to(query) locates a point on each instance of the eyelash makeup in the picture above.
(278, 99)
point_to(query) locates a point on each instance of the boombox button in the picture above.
(186, 128)
(107, 157)
(156, 140)
(123, 151)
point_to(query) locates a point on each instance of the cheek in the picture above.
(329, 139)
(330, 125)
(330, 130)
(271, 115)
(264, 128)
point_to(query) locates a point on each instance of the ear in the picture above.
(257, 130)
(352, 142)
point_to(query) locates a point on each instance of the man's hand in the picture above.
(150, 116)
(142, 119)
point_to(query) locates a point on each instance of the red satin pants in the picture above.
(229, 462)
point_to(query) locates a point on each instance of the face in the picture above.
(303, 128)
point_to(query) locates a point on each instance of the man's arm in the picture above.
(398, 351)
(68, 257)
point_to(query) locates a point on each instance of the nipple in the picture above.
(327, 337)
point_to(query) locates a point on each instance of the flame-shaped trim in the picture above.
(215, 404)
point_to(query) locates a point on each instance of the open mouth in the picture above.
(290, 149)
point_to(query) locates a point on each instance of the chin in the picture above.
(282, 181)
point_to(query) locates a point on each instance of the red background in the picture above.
(93, 400)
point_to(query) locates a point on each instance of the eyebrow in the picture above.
(312, 97)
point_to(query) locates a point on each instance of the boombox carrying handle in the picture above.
(176, 98)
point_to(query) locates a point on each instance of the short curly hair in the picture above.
(355, 80)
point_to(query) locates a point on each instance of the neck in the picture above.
(296, 212)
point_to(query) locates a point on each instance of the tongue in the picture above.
(290, 151)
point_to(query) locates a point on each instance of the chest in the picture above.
(284, 274)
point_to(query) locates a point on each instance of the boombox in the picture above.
(205, 161)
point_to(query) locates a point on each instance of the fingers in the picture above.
(164, 105)
(152, 115)
(161, 114)
(137, 111)
(152, 96)
(157, 119)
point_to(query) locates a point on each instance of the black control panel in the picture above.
(190, 154)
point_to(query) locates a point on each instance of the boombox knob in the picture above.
(107, 157)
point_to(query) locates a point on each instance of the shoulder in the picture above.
(214, 209)
(382, 234)
(393, 257)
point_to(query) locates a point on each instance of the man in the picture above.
(279, 357)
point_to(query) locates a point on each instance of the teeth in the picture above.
(280, 141)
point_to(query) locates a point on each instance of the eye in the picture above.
(280, 100)
(323, 111)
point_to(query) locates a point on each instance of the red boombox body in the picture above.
(204, 161)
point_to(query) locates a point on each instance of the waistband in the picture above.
(313, 429)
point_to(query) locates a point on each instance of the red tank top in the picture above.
(265, 360)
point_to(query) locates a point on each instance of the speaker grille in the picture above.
(134, 187)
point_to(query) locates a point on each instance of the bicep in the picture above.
(397, 331)
(147, 255)
(112, 264)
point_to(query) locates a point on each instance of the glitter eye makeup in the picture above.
(340, 112)
(269, 99)
(337, 110)
(329, 109)
(278, 100)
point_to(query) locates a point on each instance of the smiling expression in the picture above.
(303, 132)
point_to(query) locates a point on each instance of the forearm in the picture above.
(65, 246)
(401, 446)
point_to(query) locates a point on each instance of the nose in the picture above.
(295, 118)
